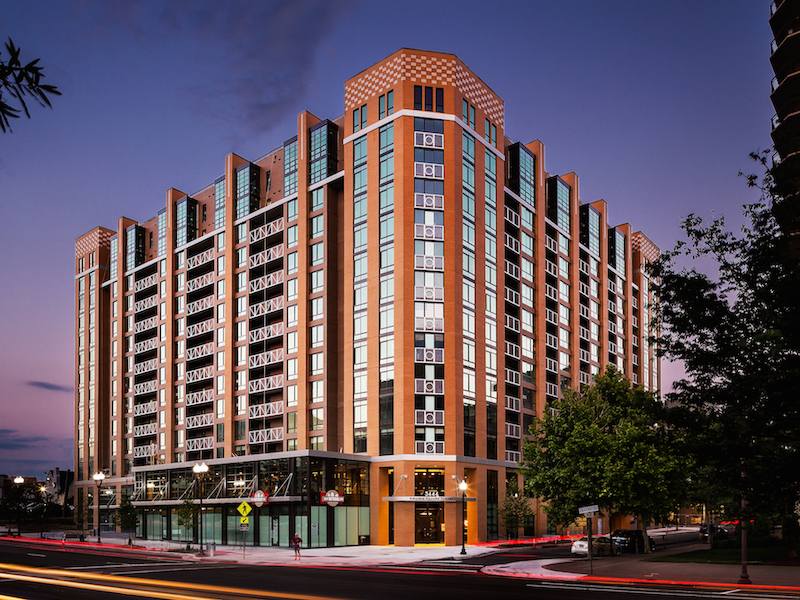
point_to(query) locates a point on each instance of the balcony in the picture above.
(199, 282)
(200, 328)
(430, 294)
(431, 418)
(513, 456)
(512, 323)
(145, 367)
(265, 384)
(145, 346)
(200, 305)
(147, 429)
(266, 256)
(429, 355)
(262, 283)
(512, 350)
(145, 283)
(551, 365)
(512, 376)
(266, 230)
(513, 430)
(428, 232)
(511, 216)
(265, 411)
(265, 436)
(551, 292)
(512, 296)
(197, 421)
(144, 451)
(428, 170)
(584, 333)
(429, 386)
(512, 270)
(428, 140)
(428, 324)
(265, 333)
(146, 303)
(147, 408)
(512, 243)
(424, 262)
(265, 358)
(551, 316)
(583, 267)
(551, 340)
(429, 447)
(264, 308)
(551, 268)
(550, 244)
(145, 387)
(551, 389)
(199, 374)
(584, 355)
(148, 323)
(512, 404)
(200, 397)
(584, 378)
(200, 259)
(204, 443)
(429, 201)
(200, 351)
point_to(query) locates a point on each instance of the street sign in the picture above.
(259, 498)
(244, 521)
(244, 527)
(244, 509)
(589, 509)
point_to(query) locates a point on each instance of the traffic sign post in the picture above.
(589, 512)
(244, 509)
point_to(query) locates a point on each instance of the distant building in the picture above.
(377, 308)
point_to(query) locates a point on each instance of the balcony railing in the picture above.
(512, 323)
(146, 366)
(200, 328)
(429, 447)
(264, 333)
(512, 243)
(145, 345)
(145, 283)
(200, 305)
(428, 263)
(434, 201)
(512, 296)
(203, 443)
(199, 282)
(512, 270)
(513, 456)
(265, 436)
(264, 411)
(512, 376)
(512, 216)
(146, 303)
(266, 256)
(263, 308)
(147, 408)
(429, 386)
(551, 389)
(551, 340)
(551, 365)
(584, 378)
(430, 294)
(265, 358)
(262, 283)
(144, 451)
(199, 374)
(428, 140)
(197, 421)
(199, 397)
(148, 323)
(429, 417)
(146, 429)
(200, 351)
(428, 232)
(265, 384)
(428, 324)
(428, 170)
(513, 350)
(429, 355)
(513, 430)
(260, 233)
(200, 259)
(512, 403)
(145, 387)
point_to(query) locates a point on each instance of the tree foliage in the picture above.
(737, 332)
(19, 82)
(126, 517)
(607, 445)
(187, 514)
(514, 508)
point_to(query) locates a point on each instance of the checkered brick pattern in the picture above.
(93, 240)
(480, 96)
(374, 82)
(648, 249)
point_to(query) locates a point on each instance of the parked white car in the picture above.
(601, 546)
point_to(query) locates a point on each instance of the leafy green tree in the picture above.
(187, 514)
(514, 509)
(609, 445)
(19, 81)
(737, 332)
(126, 517)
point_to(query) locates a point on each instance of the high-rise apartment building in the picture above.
(377, 309)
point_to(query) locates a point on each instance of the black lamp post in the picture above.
(463, 487)
(200, 469)
(19, 481)
(98, 477)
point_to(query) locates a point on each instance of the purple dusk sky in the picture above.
(654, 105)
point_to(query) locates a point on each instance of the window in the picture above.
(317, 281)
(317, 309)
(291, 395)
(316, 421)
(317, 332)
(317, 199)
(317, 225)
(317, 363)
(291, 289)
(317, 253)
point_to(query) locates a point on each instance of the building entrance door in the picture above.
(428, 521)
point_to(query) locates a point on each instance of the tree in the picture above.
(737, 332)
(19, 81)
(607, 444)
(514, 509)
(187, 514)
(126, 517)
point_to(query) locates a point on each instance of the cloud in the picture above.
(10, 439)
(53, 387)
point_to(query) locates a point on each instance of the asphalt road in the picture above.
(33, 572)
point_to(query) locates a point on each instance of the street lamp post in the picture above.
(18, 481)
(463, 487)
(98, 477)
(200, 470)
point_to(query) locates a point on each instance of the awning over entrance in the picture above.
(427, 499)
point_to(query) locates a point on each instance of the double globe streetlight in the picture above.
(18, 481)
(462, 485)
(98, 477)
(200, 470)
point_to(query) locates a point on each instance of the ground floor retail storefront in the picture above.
(328, 499)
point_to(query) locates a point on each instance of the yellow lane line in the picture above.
(9, 572)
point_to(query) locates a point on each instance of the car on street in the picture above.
(632, 540)
(601, 546)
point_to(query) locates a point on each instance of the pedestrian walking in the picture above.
(296, 541)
